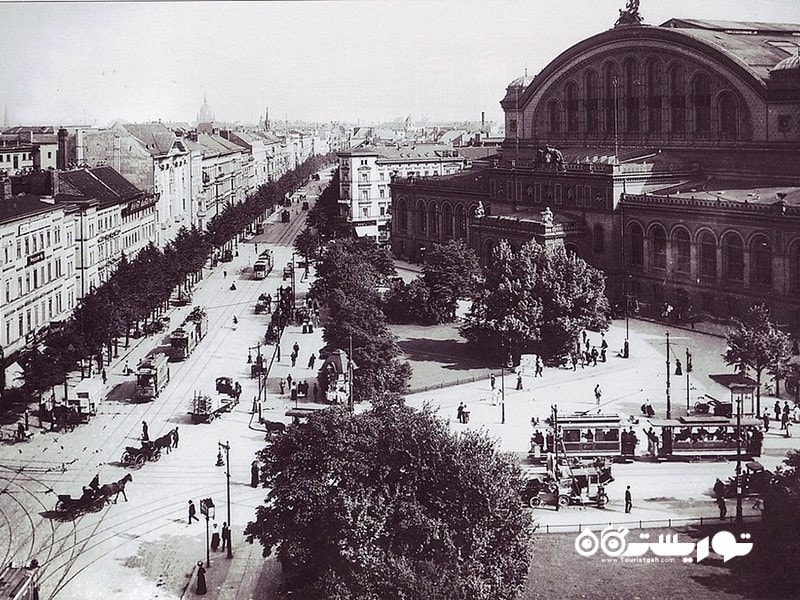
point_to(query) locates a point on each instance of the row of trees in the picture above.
(140, 288)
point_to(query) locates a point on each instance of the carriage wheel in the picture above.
(156, 454)
(97, 504)
(139, 462)
(534, 501)
(127, 459)
(563, 501)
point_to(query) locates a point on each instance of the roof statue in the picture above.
(547, 217)
(480, 211)
(629, 16)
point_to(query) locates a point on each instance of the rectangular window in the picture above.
(538, 192)
(559, 198)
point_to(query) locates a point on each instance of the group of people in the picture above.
(782, 416)
(462, 414)
(297, 389)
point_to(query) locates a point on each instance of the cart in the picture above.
(205, 409)
(135, 458)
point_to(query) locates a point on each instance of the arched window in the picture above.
(658, 247)
(401, 215)
(728, 116)
(654, 92)
(708, 256)
(701, 102)
(598, 239)
(571, 94)
(553, 117)
(733, 257)
(683, 251)
(447, 221)
(461, 222)
(635, 245)
(421, 216)
(433, 219)
(610, 96)
(592, 102)
(677, 99)
(632, 85)
(761, 262)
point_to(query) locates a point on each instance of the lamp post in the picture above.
(227, 463)
(669, 408)
(207, 509)
(688, 369)
(738, 456)
(502, 394)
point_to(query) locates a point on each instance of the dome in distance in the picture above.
(521, 82)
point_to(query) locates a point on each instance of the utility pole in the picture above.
(688, 368)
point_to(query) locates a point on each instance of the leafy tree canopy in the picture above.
(451, 272)
(535, 300)
(389, 504)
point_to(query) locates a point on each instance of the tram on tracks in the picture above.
(707, 436)
(583, 436)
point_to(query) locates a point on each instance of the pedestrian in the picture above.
(254, 474)
(201, 579)
(785, 423)
(289, 379)
(175, 438)
(104, 376)
(282, 385)
(788, 427)
(20, 431)
(269, 304)
(311, 360)
(583, 334)
(215, 539)
(723, 508)
(603, 348)
(777, 411)
(294, 358)
(224, 273)
(293, 392)
(574, 358)
(594, 356)
(226, 536)
(316, 391)
(145, 435)
(492, 380)
(719, 488)
(598, 393)
(678, 369)
(766, 421)
(127, 369)
(460, 412)
(235, 321)
(296, 348)
(628, 500)
(539, 369)
(519, 381)
(192, 512)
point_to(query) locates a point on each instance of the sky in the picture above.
(367, 61)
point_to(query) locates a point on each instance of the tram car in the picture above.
(582, 436)
(707, 436)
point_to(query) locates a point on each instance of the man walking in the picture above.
(492, 380)
(311, 360)
(519, 381)
(598, 393)
(192, 512)
(540, 367)
(628, 500)
(226, 535)
(145, 434)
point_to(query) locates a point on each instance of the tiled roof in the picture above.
(101, 183)
(23, 205)
(157, 138)
(214, 145)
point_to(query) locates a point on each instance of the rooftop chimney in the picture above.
(61, 155)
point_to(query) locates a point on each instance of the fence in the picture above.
(643, 524)
(453, 383)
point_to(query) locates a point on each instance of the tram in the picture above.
(707, 436)
(263, 265)
(581, 436)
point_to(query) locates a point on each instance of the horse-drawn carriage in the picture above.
(93, 498)
(136, 457)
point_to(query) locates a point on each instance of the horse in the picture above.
(164, 442)
(274, 428)
(115, 488)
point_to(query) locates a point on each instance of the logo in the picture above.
(613, 544)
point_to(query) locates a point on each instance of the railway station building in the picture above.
(668, 156)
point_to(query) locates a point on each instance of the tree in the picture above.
(535, 300)
(756, 343)
(409, 303)
(307, 244)
(389, 504)
(451, 271)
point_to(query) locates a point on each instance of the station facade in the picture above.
(667, 156)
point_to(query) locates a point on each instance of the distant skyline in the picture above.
(66, 63)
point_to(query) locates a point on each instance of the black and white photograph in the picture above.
(400, 300)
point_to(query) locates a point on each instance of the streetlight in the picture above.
(669, 408)
(688, 370)
(207, 509)
(227, 463)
